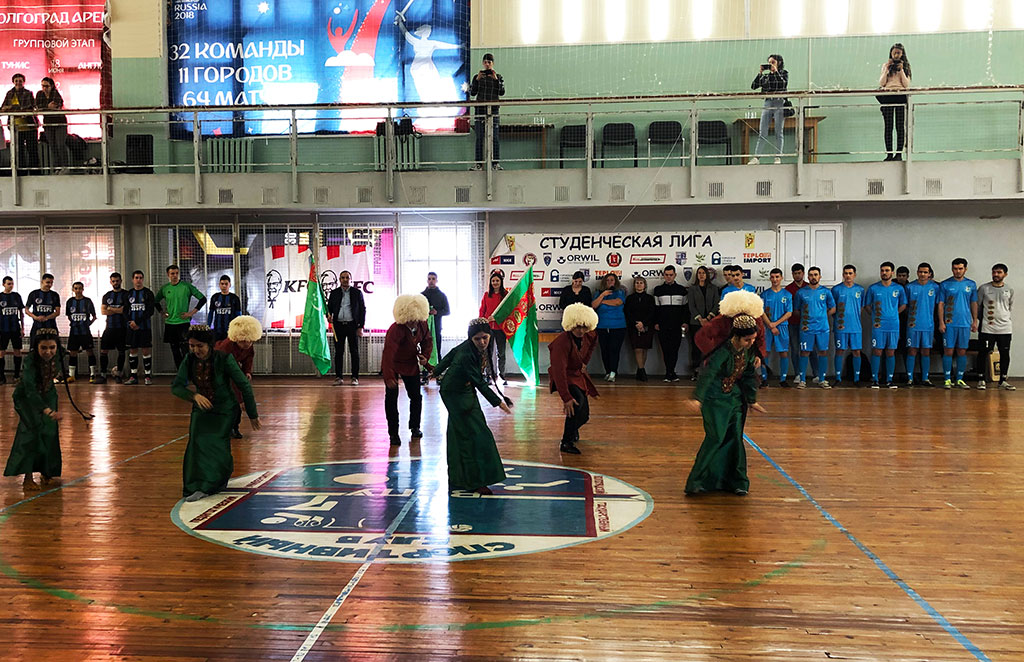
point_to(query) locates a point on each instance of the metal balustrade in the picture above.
(640, 132)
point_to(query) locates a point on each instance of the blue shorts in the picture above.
(920, 338)
(777, 343)
(849, 341)
(813, 341)
(956, 337)
(884, 339)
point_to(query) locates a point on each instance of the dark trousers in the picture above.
(695, 355)
(894, 114)
(346, 331)
(670, 336)
(989, 341)
(28, 151)
(611, 346)
(481, 135)
(412, 389)
(498, 340)
(579, 418)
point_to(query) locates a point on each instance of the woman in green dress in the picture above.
(204, 379)
(473, 460)
(726, 388)
(36, 443)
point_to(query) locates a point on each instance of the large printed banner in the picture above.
(557, 256)
(276, 52)
(287, 274)
(60, 39)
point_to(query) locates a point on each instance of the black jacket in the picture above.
(671, 302)
(771, 81)
(567, 297)
(355, 300)
(439, 302)
(487, 88)
(640, 308)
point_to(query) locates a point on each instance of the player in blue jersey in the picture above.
(885, 300)
(849, 298)
(43, 306)
(815, 304)
(12, 328)
(778, 308)
(958, 318)
(113, 306)
(922, 296)
(81, 314)
(734, 277)
(224, 307)
(141, 304)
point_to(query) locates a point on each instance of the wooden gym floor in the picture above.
(880, 525)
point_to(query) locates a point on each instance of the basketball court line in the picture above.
(889, 572)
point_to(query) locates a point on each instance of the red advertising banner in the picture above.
(60, 39)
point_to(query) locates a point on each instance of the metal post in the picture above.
(800, 109)
(392, 155)
(15, 181)
(489, 153)
(197, 161)
(107, 193)
(910, 144)
(293, 144)
(1020, 147)
(590, 155)
(694, 146)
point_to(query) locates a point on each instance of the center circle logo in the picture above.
(401, 511)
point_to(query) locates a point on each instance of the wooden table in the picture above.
(748, 125)
(539, 131)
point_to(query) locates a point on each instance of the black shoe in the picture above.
(396, 440)
(874, 384)
(897, 157)
(3, 379)
(784, 384)
(235, 434)
(569, 447)
(99, 379)
(417, 433)
(641, 375)
(888, 157)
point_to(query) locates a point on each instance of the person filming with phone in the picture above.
(771, 77)
(487, 85)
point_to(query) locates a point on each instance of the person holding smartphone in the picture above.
(895, 79)
(772, 77)
(487, 85)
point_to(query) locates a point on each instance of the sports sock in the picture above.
(876, 361)
(911, 364)
(890, 367)
(947, 365)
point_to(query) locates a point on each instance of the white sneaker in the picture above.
(816, 380)
(478, 166)
(355, 382)
(981, 385)
(1007, 386)
(800, 384)
(825, 384)
(611, 377)
(777, 160)
(754, 161)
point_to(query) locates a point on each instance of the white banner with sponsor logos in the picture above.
(557, 256)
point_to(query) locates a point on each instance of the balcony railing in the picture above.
(688, 132)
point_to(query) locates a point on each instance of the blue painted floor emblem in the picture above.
(342, 511)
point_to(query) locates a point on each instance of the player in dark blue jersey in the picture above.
(885, 300)
(12, 328)
(141, 304)
(224, 307)
(43, 306)
(113, 306)
(778, 308)
(849, 298)
(816, 305)
(958, 318)
(922, 297)
(81, 314)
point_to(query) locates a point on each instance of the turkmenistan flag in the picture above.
(436, 351)
(517, 314)
(313, 337)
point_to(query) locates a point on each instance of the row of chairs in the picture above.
(662, 132)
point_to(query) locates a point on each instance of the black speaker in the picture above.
(139, 153)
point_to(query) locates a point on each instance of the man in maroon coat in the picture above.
(570, 353)
(243, 331)
(407, 345)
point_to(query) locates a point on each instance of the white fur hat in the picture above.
(741, 303)
(411, 308)
(579, 314)
(245, 327)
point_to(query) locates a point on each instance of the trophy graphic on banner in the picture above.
(510, 241)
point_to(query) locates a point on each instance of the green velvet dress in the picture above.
(208, 463)
(36, 443)
(725, 389)
(473, 459)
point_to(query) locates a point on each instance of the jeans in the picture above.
(481, 133)
(412, 389)
(772, 109)
(611, 346)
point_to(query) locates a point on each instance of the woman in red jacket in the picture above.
(495, 295)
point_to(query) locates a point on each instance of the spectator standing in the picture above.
(703, 297)
(575, 293)
(640, 313)
(895, 80)
(995, 300)
(55, 127)
(348, 314)
(487, 85)
(438, 309)
(495, 295)
(24, 127)
(611, 323)
(670, 298)
(771, 79)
